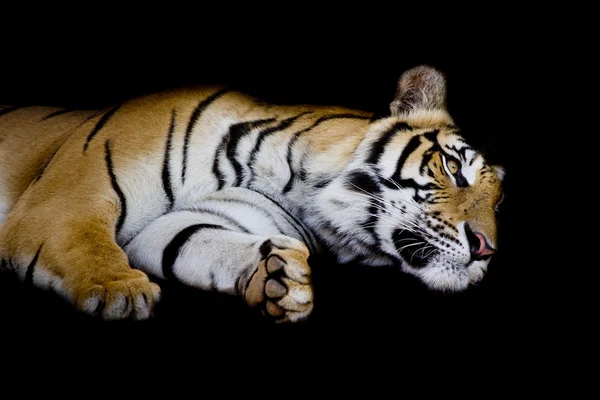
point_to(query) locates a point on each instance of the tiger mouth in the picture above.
(412, 247)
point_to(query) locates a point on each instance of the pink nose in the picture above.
(477, 244)
(484, 249)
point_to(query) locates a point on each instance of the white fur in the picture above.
(227, 257)
(301, 295)
(216, 257)
(44, 279)
(390, 156)
(90, 305)
(332, 210)
(500, 172)
(199, 179)
(477, 270)
(119, 308)
(443, 274)
(136, 183)
(470, 171)
(5, 206)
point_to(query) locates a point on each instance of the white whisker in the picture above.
(373, 196)
(392, 223)
(409, 245)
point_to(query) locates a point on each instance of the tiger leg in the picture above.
(211, 251)
(73, 252)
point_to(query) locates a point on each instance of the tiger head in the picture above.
(416, 192)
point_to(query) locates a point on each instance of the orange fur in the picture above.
(73, 209)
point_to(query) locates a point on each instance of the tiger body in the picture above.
(224, 192)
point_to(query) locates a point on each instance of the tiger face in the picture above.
(437, 213)
(417, 193)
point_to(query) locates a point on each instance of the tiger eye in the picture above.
(452, 166)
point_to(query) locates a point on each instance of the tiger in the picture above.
(219, 190)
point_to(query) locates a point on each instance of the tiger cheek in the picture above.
(445, 211)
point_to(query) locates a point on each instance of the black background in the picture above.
(312, 59)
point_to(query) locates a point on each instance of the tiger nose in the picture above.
(478, 245)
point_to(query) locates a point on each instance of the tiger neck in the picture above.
(315, 163)
(311, 163)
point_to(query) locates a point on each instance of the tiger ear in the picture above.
(419, 88)
(500, 172)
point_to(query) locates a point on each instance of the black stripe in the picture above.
(196, 114)
(93, 115)
(219, 214)
(100, 124)
(45, 165)
(290, 182)
(432, 137)
(286, 123)
(229, 144)
(3, 265)
(117, 189)
(412, 184)
(6, 110)
(359, 181)
(413, 144)
(31, 267)
(173, 249)
(166, 170)
(59, 112)
(339, 116)
(462, 152)
(232, 139)
(255, 207)
(461, 181)
(320, 183)
(378, 147)
(364, 183)
(425, 162)
(302, 231)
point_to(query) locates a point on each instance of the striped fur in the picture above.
(219, 191)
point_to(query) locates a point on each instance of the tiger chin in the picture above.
(217, 190)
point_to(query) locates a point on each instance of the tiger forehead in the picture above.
(452, 142)
(446, 137)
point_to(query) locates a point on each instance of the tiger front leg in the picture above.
(281, 283)
(78, 259)
(209, 252)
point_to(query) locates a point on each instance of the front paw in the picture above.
(130, 295)
(281, 285)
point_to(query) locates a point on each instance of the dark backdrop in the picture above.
(350, 64)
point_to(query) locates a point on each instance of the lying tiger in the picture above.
(222, 192)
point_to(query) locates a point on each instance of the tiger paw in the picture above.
(131, 295)
(281, 285)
